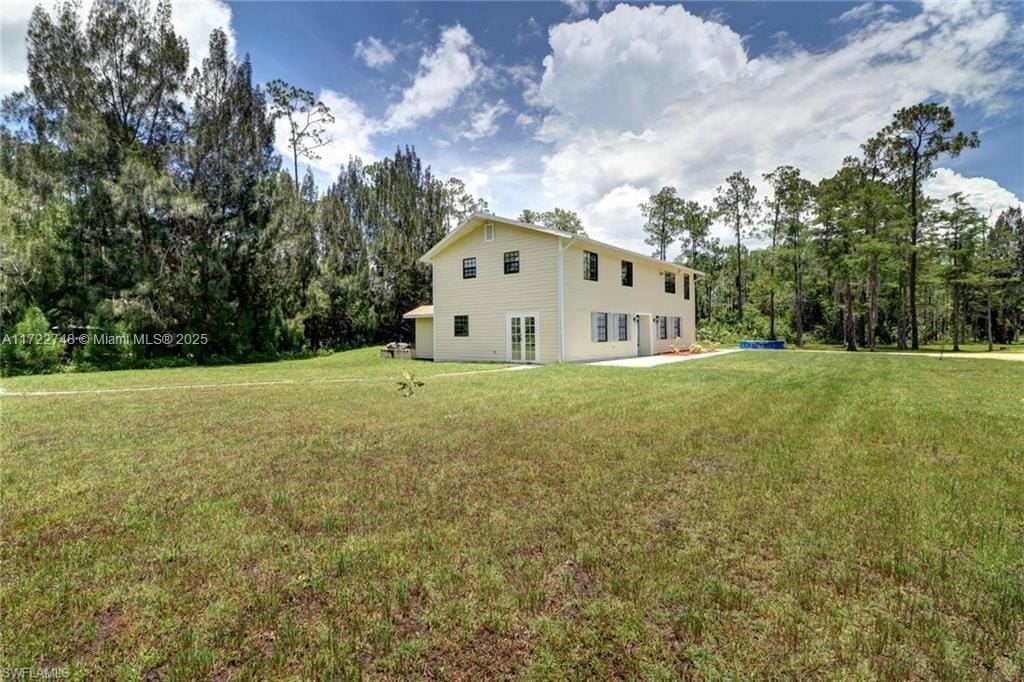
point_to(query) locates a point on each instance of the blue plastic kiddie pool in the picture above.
(762, 344)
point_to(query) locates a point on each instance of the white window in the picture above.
(670, 283)
(589, 266)
(489, 232)
(676, 327)
(622, 326)
(663, 327)
(599, 327)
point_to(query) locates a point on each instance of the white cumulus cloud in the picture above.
(443, 75)
(654, 96)
(984, 194)
(374, 53)
(193, 20)
(480, 179)
(865, 11)
(484, 122)
(619, 70)
(577, 8)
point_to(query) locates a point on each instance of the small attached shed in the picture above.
(423, 344)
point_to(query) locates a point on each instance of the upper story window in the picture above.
(468, 268)
(511, 262)
(670, 283)
(489, 232)
(627, 273)
(686, 287)
(590, 266)
(676, 327)
(599, 327)
(663, 327)
(622, 326)
(462, 325)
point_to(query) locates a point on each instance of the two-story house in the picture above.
(507, 291)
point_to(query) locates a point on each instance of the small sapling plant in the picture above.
(408, 384)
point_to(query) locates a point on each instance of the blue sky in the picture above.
(595, 106)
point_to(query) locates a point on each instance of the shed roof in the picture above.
(421, 311)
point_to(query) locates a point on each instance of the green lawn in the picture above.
(971, 347)
(778, 515)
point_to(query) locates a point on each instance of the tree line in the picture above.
(140, 199)
(861, 257)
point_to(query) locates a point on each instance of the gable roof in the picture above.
(421, 311)
(477, 219)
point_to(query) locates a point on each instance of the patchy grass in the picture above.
(760, 515)
(968, 347)
(365, 363)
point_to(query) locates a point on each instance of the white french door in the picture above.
(522, 337)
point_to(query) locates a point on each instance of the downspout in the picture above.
(693, 302)
(433, 320)
(560, 276)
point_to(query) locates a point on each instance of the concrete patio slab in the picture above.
(655, 360)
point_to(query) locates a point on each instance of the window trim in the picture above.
(489, 232)
(663, 327)
(596, 320)
(670, 282)
(677, 327)
(590, 259)
(621, 326)
(455, 326)
(626, 273)
(686, 286)
(466, 268)
(508, 262)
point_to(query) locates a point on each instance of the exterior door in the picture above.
(643, 334)
(522, 337)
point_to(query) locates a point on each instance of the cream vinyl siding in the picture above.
(424, 338)
(607, 295)
(492, 295)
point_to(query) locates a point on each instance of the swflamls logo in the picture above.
(34, 673)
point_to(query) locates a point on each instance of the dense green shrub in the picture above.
(109, 344)
(30, 347)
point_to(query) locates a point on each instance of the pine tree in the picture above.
(663, 215)
(735, 205)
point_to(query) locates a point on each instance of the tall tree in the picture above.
(796, 242)
(882, 223)
(840, 237)
(227, 161)
(916, 138)
(462, 203)
(961, 227)
(712, 259)
(735, 205)
(94, 123)
(996, 274)
(556, 219)
(307, 119)
(782, 182)
(695, 225)
(1005, 270)
(663, 215)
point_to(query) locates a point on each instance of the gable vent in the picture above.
(489, 232)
